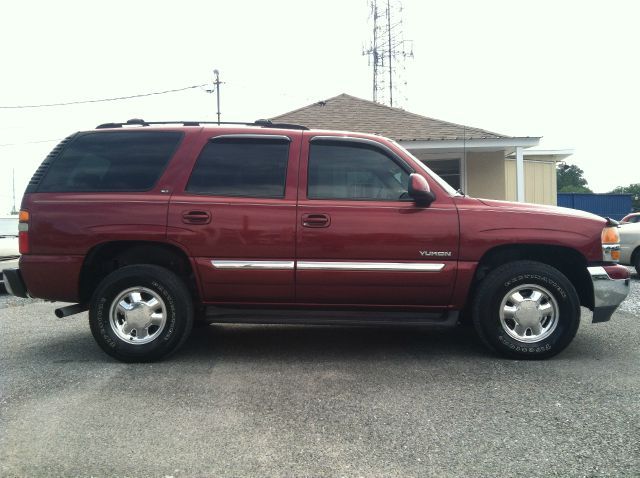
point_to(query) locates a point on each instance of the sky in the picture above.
(568, 71)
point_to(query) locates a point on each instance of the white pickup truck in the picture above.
(8, 245)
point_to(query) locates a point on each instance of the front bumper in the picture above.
(610, 287)
(14, 283)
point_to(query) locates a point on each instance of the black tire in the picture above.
(636, 263)
(176, 308)
(557, 293)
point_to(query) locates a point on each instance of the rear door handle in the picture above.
(196, 217)
(316, 220)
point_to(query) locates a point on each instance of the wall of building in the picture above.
(539, 177)
(490, 175)
(486, 175)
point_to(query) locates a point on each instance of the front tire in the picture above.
(141, 313)
(526, 310)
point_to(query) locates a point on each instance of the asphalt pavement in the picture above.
(316, 401)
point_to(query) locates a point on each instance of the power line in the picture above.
(103, 99)
(31, 142)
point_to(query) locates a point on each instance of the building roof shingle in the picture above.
(346, 112)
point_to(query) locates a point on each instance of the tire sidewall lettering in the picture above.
(524, 278)
(170, 303)
(520, 347)
(103, 323)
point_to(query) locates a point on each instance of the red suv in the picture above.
(149, 226)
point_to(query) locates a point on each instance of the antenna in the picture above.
(387, 50)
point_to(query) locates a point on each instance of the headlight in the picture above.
(610, 244)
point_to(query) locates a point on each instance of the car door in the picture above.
(235, 215)
(361, 240)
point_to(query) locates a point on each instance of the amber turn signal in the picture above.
(24, 216)
(610, 235)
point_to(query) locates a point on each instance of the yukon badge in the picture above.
(435, 253)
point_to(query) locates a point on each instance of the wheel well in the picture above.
(568, 261)
(634, 255)
(107, 257)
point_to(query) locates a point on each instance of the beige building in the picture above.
(480, 162)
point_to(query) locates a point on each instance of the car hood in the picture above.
(541, 209)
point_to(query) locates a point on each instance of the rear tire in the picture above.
(141, 313)
(636, 263)
(526, 310)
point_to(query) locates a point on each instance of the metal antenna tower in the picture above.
(387, 50)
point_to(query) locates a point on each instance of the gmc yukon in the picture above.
(152, 226)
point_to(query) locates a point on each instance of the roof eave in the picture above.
(487, 144)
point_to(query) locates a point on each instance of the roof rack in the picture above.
(265, 123)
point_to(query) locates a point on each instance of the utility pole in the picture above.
(217, 83)
(13, 179)
(216, 88)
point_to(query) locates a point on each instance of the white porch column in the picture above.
(520, 174)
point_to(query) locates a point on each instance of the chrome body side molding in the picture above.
(370, 266)
(271, 265)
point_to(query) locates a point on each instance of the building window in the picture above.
(447, 169)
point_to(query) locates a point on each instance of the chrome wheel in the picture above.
(529, 313)
(138, 315)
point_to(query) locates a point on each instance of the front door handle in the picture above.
(196, 217)
(316, 220)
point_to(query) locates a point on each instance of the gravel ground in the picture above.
(7, 300)
(316, 401)
(632, 304)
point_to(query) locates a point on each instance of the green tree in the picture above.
(571, 179)
(633, 189)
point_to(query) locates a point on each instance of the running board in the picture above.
(329, 317)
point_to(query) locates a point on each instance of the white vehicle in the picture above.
(8, 245)
(8, 226)
(630, 245)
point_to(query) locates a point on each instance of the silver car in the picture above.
(630, 245)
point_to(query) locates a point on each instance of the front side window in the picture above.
(242, 167)
(354, 172)
(111, 161)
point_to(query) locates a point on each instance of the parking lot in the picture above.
(316, 401)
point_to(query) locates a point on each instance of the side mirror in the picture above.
(420, 191)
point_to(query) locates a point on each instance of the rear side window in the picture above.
(119, 161)
(242, 167)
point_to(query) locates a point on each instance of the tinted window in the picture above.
(358, 172)
(244, 167)
(122, 161)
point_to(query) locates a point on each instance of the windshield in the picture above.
(445, 185)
